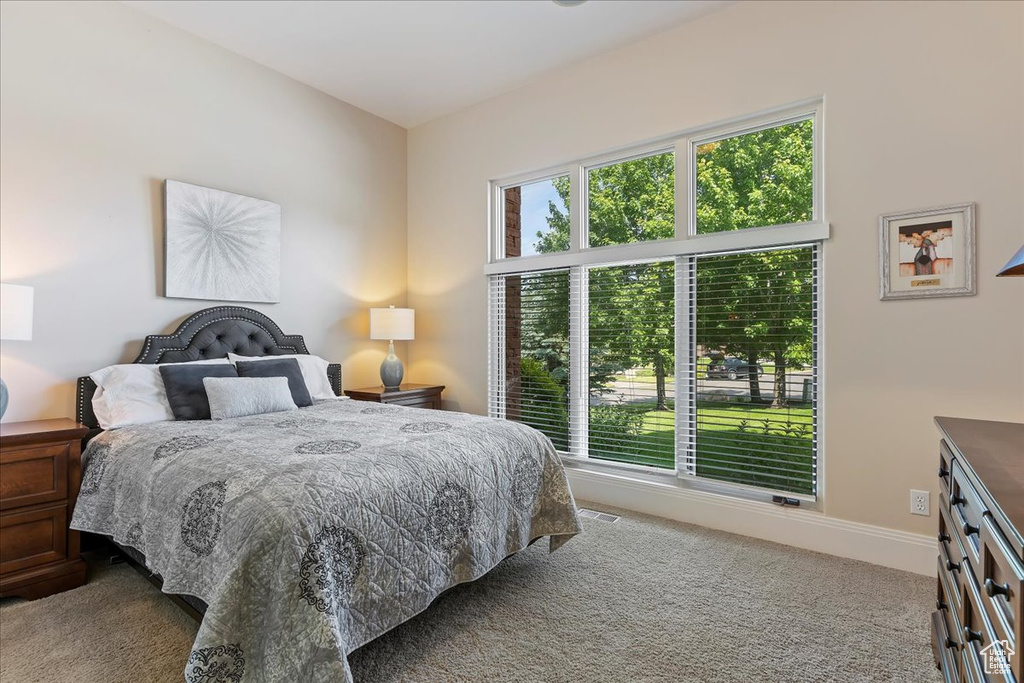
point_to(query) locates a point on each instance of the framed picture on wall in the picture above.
(220, 246)
(927, 253)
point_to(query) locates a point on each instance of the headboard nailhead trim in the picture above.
(156, 345)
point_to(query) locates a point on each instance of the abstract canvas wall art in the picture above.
(221, 246)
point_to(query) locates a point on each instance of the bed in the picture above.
(303, 535)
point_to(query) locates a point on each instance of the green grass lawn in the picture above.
(736, 442)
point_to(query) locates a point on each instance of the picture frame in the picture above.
(220, 246)
(927, 253)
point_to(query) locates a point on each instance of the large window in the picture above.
(648, 327)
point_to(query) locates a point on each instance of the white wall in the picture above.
(924, 106)
(99, 104)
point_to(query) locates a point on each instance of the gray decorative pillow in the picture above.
(184, 387)
(241, 396)
(284, 367)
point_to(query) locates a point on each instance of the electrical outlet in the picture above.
(919, 503)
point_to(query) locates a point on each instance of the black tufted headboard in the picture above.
(210, 333)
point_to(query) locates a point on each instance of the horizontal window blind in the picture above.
(530, 351)
(753, 369)
(631, 351)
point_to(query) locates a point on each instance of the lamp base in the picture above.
(3, 397)
(391, 370)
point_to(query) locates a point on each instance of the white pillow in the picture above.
(313, 368)
(133, 394)
(241, 396)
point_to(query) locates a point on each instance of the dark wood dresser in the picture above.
(413, 395)
(977, 625)
(40, 473)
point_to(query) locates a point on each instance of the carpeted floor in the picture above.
(639, 600)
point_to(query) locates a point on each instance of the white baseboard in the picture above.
(790, 526)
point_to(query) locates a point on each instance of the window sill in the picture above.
(669, 478)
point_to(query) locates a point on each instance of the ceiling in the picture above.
(410, 62)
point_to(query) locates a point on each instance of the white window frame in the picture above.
(580, 257)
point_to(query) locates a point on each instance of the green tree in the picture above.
(630, 306)
(757, 304)
(750, 305)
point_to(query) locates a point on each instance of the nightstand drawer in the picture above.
(417, 403)
(408, 395)
(33, 475)
(33, 537)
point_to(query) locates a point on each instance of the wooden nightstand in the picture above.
(40, 472)
(413, 395)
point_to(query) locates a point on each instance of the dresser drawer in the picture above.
(1001, 577)
(951, 557)
(945, 467)
(33, 474)
(950, 623)
(967, 512)
(33, 537)
(970, 665)
(978, 637)
(946, 651)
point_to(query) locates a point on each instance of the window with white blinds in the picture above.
(631, 354)
(695, 355)
(530, 362)
(753, 369)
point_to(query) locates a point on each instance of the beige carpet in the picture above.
(638, 600)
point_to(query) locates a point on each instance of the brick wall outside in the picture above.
(513, 306)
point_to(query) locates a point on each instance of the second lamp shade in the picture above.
(392, 323)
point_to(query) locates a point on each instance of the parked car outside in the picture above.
(731, 368)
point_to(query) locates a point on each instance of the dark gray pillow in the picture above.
(280, 367)
(185, 390)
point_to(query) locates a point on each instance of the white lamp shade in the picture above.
(16, 312)
(392, 323)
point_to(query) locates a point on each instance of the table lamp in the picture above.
(15, 323)
(1015, 266)
(391, 324)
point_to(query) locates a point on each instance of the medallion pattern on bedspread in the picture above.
(220, 664)
(329, 447)
(133, 537)
(451, 516)
(200, 517)
(180, 444)
(298, 422)
(524, 482)
(94, 473)
(376, 410)
(426, 427)
(330, 567)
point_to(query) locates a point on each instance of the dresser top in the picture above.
(995, 451)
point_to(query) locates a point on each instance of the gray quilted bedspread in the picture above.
(309, 533)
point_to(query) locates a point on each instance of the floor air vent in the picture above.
(592, 514)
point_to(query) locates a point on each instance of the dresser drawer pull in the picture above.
(951, 644)
(970, 635)
(943, 472)
(970, 529)
(992, 589)
(952, 566)
(957, 499)
(943, 537)
(940, 605)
